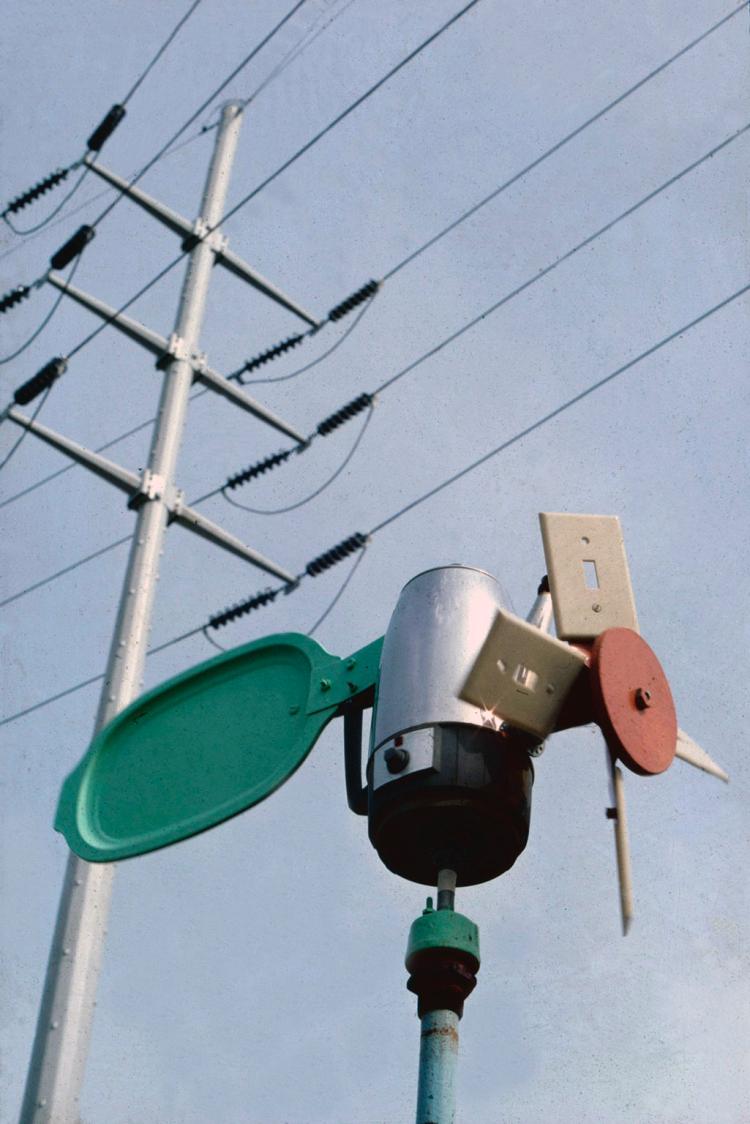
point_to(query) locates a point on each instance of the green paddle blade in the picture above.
(206, 745)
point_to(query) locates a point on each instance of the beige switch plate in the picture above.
(522, 675)
(583, 610)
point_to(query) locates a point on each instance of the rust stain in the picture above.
(446, 1031)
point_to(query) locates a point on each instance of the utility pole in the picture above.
(63, 1029)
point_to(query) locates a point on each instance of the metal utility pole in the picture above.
(64, 1026)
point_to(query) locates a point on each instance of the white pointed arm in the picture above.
(689, 751)
(619, 816)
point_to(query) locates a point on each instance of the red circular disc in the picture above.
(633, 702)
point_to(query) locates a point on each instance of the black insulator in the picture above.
(361, 295)
(36, 191)
(72, 248)
(14, 297)
(106, 128)
(272, 353)
(243, 607)
(40, 381)
(356, 406)
(336, 554)
(258, 469)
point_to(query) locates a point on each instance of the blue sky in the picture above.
(255, 974)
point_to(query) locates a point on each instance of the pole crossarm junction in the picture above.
(150, 486)
(190, 231)
(166, 349)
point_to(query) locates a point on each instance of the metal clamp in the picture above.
(214, 239)
(151, 488)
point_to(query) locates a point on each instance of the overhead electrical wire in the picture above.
(47, 221)
(566, 405)
(472, 210)
(291, 57)
(562, 142)
(90, 229)
(363, 539)
(120, 106)
(301, 151)
(37, 331)
(45, 395)
(312, 495)
(173, 33)
(201, 109)
(100, 195)
(538, 275)
(305, 42)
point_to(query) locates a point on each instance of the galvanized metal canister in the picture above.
(435, 633)
(449, 784)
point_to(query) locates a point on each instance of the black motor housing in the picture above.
(468, 812)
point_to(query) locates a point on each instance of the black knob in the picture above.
(396, 760)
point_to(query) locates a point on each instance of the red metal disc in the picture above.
(633, 702)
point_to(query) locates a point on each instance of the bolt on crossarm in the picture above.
(442, 958)
(63, 1030)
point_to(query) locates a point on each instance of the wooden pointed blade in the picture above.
(618, 815)
(689, 751)
(588, 574)
(522, 675)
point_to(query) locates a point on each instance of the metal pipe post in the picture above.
(442, 958)
(63, 1029)
(438, 1055)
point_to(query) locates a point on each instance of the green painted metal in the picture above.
(206, 745)
(442, 928)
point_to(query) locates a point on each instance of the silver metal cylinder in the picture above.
(438, 626)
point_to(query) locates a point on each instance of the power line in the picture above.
(174, 32)
(305, 148)
(313, 495)
(561, 143)
(537, 276)
(289, 58)
(117, 118)
(295, 52)
(201, 109)
(159, 155)
(340, 593)
(466, 214)
(100, 194)
(37, 331)
(56, 211)
(66, 569)
(320, 358)
(517, 437)
(559, 261)
(350, 109)
(557, 411)
(19, 440)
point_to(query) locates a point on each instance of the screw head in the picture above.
(643, 699)
(325, 684)
(396, 760)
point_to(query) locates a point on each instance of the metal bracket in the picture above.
(151, 488)
(214, 239)
(199, 363)
(176, 348)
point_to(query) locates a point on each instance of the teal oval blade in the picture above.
(196, 750)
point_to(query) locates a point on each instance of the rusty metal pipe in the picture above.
(438, 1055)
